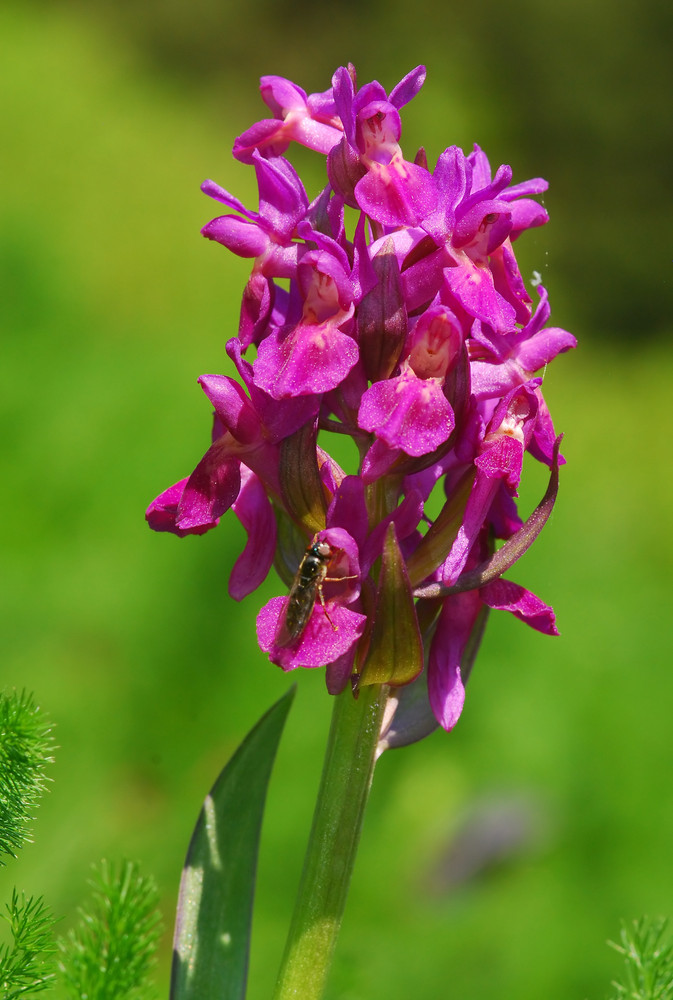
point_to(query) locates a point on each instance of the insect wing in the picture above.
(297, 613)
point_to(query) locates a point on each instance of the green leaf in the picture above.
(212, 930)
(413, 718)
(440, 536)
(395, 654)
(300, 482)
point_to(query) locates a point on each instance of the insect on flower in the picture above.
(306, 587)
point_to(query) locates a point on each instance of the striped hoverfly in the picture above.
(306, 589)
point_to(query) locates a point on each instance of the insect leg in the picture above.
(321, 597)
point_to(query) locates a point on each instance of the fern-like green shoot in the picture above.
(25, 750)
(26, 965)
(110, 954)
(648, 959)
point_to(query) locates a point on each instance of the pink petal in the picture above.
(508, 596)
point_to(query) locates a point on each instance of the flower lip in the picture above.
(319, 644)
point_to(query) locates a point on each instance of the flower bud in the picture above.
(344, 170)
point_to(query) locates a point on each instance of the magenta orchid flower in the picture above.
(389, 310)
(389, 189)
(309, 120)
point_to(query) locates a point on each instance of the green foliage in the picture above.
(109, 955)
(111, 952)
(26, 967)
(25, 750)
(648, 958)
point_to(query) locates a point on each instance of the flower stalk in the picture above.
(330, 856)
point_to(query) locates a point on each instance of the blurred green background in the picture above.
(113, 306)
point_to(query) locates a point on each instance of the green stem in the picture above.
(330, 856)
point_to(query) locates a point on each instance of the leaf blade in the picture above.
(212, 931)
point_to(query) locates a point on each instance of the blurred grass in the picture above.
(113, 307)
